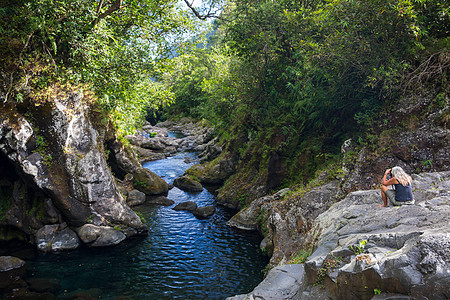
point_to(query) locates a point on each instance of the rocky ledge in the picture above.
(360, 251)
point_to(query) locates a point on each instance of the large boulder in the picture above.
(58, 150)
(250, 217)
(100, 236)
(135, 197)
(358, 249)
(159, 144)
(159, 200)
(52, 238)
(204, 211)
(11, 269)
(188, 184)
(215, 172)
(149, 183)
(148, 155)
(124, 161)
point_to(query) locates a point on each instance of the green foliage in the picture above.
(262, 219)
(141, 216)
(427, 163)
(376, 291)
(242, 199)
(359, 249)
(301, 257)
(48, 47)
(90, 218)
(299, 77)
(328, 265)
(137, 183)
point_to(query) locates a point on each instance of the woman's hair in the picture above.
(401, 176)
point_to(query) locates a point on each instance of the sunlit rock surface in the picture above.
(56, 151)
(358, 249)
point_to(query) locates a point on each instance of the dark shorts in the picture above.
(391, 196)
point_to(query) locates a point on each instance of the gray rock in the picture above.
(283, 282)
(204, 211)
(135, 197)
(11, 269)
(406, 250)
(248, 218)
(149, 183)
(148, 155)
(74, 171)
(215, 173)
(188, 205)
(9, 263)
(100, 236)
(188, 184)
(160, 132)
(58, 237)
(159, 200)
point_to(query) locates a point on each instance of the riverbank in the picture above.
(182, 256)
(356, 250)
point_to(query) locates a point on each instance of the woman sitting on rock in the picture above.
(402, 192)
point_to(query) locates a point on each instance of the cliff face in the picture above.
(55, 178)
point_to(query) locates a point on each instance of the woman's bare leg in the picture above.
(383, 196)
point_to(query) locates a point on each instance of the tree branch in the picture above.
(201, 16)
(115, 7)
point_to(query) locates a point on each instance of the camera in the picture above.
(388, 175)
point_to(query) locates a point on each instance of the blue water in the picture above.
(181, 258)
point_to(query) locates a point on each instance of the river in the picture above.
(182, 257)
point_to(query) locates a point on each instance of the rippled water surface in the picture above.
(181, 258)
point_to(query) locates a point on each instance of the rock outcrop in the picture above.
(124, 163)
(11, 269)
(56, 237)
(359, 250)
(159, 200)
(58, 170)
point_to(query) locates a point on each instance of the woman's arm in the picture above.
(390, 181)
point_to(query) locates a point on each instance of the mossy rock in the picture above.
(149, 183)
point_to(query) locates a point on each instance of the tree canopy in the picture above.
(309, 74)
(114, 48)
(319, 70)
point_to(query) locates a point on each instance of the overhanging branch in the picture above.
(117, 5)
(209, 14)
